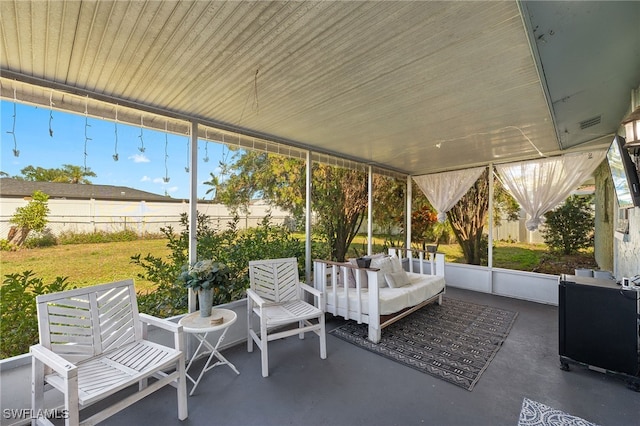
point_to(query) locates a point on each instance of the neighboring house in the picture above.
(91, 208)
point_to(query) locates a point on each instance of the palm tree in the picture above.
(76, 174)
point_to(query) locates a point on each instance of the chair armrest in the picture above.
(309, 289)
(161, 323)
(255, 298)
(176, 329)
(63, 367)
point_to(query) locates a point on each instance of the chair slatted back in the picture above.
(82, 323)
(275, 280)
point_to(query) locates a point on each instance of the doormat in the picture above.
(454, 341)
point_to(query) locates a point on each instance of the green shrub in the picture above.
(232, 246)
(18, 315)
(69, 237)
(44, 239)
(5, 245)
(570, 227)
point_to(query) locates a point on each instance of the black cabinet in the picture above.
(599, 325)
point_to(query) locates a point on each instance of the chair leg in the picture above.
(264, 340)
(249, 327)
(71, 402)
(300, 325)
(183, 410)
(323, 338)
(37, 387)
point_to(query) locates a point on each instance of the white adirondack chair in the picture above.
(92, 345)
(276, 297)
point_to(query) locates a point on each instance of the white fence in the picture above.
(87, 216)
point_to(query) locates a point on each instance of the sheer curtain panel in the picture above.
(443, 190)
(541, 185)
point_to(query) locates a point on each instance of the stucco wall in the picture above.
(604, 224)
(627, 247)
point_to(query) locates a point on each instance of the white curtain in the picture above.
(443, 190)
(541, 185)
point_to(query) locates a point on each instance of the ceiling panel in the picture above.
(416, 87)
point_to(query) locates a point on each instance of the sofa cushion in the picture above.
(397, 279)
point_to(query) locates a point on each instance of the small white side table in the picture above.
(200, 327)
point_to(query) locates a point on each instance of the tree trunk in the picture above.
(17, 236)
(467, 219)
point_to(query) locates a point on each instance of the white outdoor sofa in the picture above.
(367, 297)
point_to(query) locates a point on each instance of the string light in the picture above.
(51, 104)
(141, 148)
(16, 152)
(206, 146)
(115, 155)
(86, 126)
(166, 154)
(186, 168)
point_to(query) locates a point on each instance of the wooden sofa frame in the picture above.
(375, 321)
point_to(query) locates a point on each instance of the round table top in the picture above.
(194, 323)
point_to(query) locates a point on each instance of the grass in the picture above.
(85, 264)
(96, 263)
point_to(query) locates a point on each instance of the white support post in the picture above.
(490, 248)
(370, 213)
(408, 211)
(307, 219)
(193, 204)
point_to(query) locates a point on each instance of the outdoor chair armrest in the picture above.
(63, 367)
(309, 289)
(161, 323)
(175, 329)
(255, 298)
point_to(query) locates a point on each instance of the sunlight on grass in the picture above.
(85, 264)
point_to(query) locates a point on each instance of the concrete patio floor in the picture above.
(355, 387)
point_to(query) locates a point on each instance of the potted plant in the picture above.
(205, 277)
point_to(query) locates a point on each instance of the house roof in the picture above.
(414, 87)
(16, 188)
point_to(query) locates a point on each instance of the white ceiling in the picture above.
(415, 87)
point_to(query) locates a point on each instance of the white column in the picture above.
(490, 248)
(408, 211)
(307, 220)
(193, 205)
(370, 213)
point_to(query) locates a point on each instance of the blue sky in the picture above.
(135, 169)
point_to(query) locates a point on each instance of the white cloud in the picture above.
(139, 158)
(145, 179)
(158, 180)
(172, 189)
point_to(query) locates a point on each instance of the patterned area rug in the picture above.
(536, 414)
(454, 342)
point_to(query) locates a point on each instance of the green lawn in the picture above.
(89, 264)
(84, 264)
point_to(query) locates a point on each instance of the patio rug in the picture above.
(536, 414)
(454, 341)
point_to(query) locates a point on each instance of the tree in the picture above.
(339, 197)
(570, 227)
(67, 174)
(468, 218)
(32, 217)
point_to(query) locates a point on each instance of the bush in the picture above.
(570, 227)
(45, 239)
(5, 245)
(18, 314)
(233, 247)
(69, 237)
